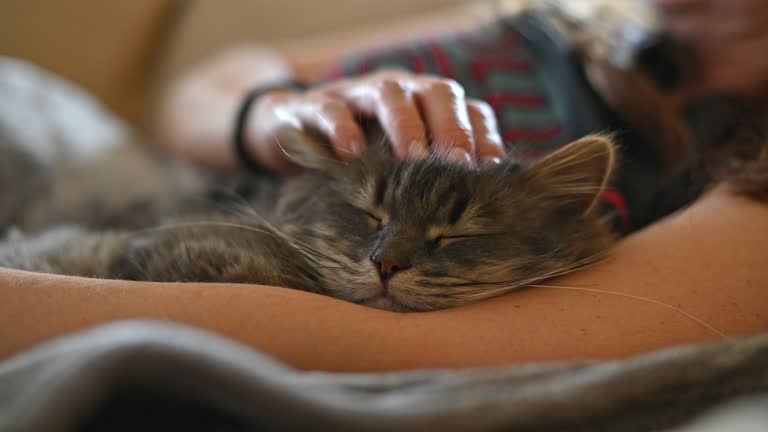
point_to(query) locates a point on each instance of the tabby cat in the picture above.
(414, 236)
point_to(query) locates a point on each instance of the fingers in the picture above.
(267, 123)
(386, 97)
(488, 143)
(400, 118)
(333, 119)
(418, 113)
(415, 110)
(445, 111)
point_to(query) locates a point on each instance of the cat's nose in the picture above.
(387, 266)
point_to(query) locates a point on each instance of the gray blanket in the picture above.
(157, 376)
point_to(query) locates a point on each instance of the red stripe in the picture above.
(502, 48)
(544, 134)
(516, 99)
(445, 66)
(365, 65)
(481, 67)
(418, 64)
(615, 199)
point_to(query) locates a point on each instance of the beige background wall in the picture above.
(213, 24)
(105, 45)
(118, 48)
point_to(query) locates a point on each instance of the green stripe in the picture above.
(511, 117)
(513, 82)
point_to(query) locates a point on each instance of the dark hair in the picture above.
(731, 140)
(743, 163)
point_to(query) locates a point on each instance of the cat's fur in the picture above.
(412, 236)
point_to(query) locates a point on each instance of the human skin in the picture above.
(196, 118)
(727, 39)
(707, 260)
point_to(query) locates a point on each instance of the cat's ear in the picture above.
(306, 150)
(577, 174)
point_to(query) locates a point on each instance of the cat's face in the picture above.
(431, 234)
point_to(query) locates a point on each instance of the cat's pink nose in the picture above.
(387, 266)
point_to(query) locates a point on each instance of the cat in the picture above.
(403, 236)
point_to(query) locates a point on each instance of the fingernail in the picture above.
(417, 150)
(459, 155)
(491, 160)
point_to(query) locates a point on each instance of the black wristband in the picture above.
(245, 159)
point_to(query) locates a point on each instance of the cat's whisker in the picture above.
(512, 285)
(241, 210)
(505, 266)
(578, 265)
(575, 266)
(631, 296)
(316, 155)
(229, 192)
(239, 202)
(176, 225)
(306, 249)
(303, 247)
(382, 141)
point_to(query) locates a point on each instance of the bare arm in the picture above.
(707, 260)
(196, 117)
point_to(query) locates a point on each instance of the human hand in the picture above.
(728, 41)
(417, 112)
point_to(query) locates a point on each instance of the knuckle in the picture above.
(331, 106)
(458, 137)
(273, 98)
(389, 86)
(391, 73)
(445, 87)
(480, 106)
(405, 125)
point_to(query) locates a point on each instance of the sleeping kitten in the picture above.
(413, 236)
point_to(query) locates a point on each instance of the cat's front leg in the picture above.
(216, 252)
(66, 250)
(212, 253)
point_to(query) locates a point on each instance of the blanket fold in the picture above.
(146, 375)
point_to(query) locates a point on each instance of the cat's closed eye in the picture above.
(445, 240)
(442, 241)
(440, 238)
(375, 221)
